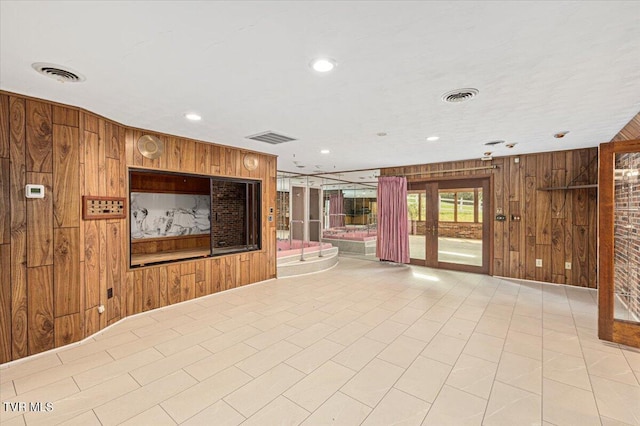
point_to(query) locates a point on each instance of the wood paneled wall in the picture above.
(556, 226)
(630, 132)
(55, 267)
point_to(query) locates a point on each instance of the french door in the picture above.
(449, 224)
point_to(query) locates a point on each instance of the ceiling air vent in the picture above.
(58, 72)
(271, 137)
(494, 143)
(460, 95)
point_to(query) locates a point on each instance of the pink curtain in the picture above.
(336, 210)
(393, 236)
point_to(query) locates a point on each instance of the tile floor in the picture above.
(364, 343)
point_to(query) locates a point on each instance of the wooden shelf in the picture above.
(145, 259)
(559, 188)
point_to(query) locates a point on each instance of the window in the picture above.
(460, 205)
(176, 216)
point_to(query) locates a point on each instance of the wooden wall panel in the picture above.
(4, 126)
(66, 116)
(39, 148)
(68, 329)
(5, 303)
(151, 289)
(114, 269)
(74, 261)
(66, 272)
(17, 141)
(40, 308)
(550, 220)
(5, 201)
(173, 284)
(92, 263)
(40, 222)
(631, 131)
(66, 177)
(187, 287)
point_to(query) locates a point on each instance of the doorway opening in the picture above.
(450, 224)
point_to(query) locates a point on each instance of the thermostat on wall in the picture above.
(34, 191)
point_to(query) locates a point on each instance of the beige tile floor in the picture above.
(364, 343)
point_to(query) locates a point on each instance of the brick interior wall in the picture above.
(627, 233)
(228, 214)
(449, 229)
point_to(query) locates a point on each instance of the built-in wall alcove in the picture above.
(176, 216)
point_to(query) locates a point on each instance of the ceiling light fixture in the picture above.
(323, 64)
(324, 151)
(433, 138)
(192, 116)
(561, 135)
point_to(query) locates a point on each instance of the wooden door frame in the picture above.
(466, 182)
(609, 328)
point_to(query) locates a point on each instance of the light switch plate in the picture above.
(567, 265)
(538, 263)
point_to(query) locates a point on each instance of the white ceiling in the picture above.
(540, 67)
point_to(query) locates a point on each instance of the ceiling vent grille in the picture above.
(460, 95)
(494, 143)
(57, 72)
(271, 138)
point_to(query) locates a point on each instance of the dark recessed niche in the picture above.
(176, 216)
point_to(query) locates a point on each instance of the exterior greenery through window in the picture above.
(459, 206)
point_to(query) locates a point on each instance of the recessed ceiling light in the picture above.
(433, 138)
(561, 135)
(192, 116)
(324, 151)
(323, 64)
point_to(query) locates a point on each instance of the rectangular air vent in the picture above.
(271, 137)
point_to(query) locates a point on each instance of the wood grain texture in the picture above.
(40, 223)
(66, 116)
(5, 201)
(5, 303)
(91, 321)
(39, 152)
(79, 153)
(17, 139)
(173, 284)
(114, 268)
(68, 329)
(548, 218)
(66, 271)
(92, 263)
(66, 176)
(151, 289)
(4, 126)
(631, 131)
(187, 287)
(40, 308)
(113, 140)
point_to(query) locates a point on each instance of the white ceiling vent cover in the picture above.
(271, 137)
(58, 72)
(460, 95)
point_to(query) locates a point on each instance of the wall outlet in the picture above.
(538, 263)
(567, 265)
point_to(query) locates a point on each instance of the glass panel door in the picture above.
(448, 224)
(460, 226)
(626, 238)
(416, 211)
(619, 242)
